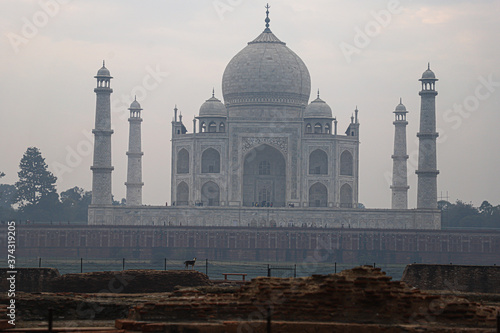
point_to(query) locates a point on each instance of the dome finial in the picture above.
(103, 63)
(267, 16)
(400, 100)
(429, 66)
(318, 92)
(213, 92)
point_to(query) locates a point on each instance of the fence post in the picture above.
(374, 265)
(51, 314)
(335, 267)
(165, 263)
(206, 267)
(39, 262)
(295, 271)
(123, 264)
(81, 265)
(268, 271)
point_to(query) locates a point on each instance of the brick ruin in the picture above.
(362, 299)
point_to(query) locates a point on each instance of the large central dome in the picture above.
(266, 72)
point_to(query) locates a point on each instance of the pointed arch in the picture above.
(264, 177)
(210, 161)
(346, 196)
(212, 127)
(318, 195)
(182, 197)
(346, 163)
(318, 162)
(222, 127)
(318, 129)
(210, 194)
(308, 128)
(328, 129)
(183, 161)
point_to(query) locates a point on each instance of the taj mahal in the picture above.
(265, 155)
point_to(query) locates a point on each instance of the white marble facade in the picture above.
(265, 145)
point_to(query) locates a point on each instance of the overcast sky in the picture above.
(364, 53)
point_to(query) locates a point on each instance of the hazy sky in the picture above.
(364, 53)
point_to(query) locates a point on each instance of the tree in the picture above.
(465, 215)
(459, 214)
(75, 202)
(486, 208)
(35, 180)
(7, 195)
(72, 196)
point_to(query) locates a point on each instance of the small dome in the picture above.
(318, 109)
(428, 74)
(135, 105)
(103, 71)
(213, 107)
(400, 107)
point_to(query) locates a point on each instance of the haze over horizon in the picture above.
(365, 53)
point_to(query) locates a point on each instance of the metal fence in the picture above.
(213, 268)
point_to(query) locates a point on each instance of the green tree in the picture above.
(48, 208)
(7, 195)
(75, 202)
(459, 214)
(486, 208)
(35, 180)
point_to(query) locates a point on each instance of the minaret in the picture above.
(427, 164)
(101, 169)
(134, 173)
(399, 167)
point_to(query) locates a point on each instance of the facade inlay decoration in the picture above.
(279, 143)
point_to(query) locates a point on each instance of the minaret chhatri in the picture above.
(134, 172)
(102, 169)
(427, 160)
(399, 167)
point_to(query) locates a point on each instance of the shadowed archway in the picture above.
(264, 177)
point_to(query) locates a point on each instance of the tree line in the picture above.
(465, 215)
(34, 196)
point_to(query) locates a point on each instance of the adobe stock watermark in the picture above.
(32, 25)
(486, 87)
(224, 6)
(472, 102)
(75, 155)
(151, 81)
(264, 309)
(363, 37)
(90, 309)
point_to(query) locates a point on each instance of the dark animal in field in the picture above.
(191, 263)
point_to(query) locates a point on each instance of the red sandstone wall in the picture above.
(280, 244)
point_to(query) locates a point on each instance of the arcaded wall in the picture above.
(291, 244)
